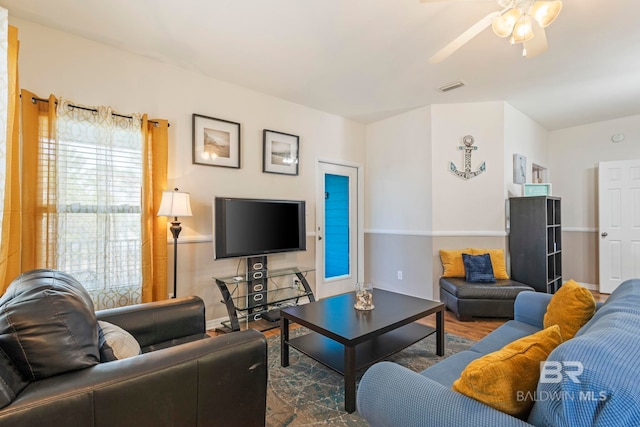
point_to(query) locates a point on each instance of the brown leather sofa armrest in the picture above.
(215, 381)
(157, 322)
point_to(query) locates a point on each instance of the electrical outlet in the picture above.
(296, 283)
(399, 274)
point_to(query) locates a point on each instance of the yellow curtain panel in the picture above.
(11, 226)
(154, 228)
(38, 203)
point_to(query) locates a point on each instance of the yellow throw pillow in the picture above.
(452, 264)
(497, 261)
(507, 379)
(570, 308)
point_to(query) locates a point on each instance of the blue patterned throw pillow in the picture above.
(478, 268)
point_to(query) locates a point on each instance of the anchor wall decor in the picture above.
(468, 148)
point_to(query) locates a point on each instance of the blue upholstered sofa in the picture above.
(607, 392)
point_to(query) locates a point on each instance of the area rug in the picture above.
(306, 393)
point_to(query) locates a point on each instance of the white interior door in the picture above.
(338, 245)
(619, 222)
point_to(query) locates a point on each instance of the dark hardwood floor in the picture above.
(475, 329)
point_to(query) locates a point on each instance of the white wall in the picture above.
(398, 173)
(416, 206)
(574, 154)
(398, 203)
(476, 204)
(523, 136)
(94, 74)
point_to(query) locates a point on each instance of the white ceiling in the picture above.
(368, 59)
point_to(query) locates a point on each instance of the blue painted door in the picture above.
(337, 249)
(336, 228)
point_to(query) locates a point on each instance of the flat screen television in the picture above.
(253, 227)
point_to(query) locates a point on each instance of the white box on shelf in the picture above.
(536, 189)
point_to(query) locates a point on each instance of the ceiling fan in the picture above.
(523, 21)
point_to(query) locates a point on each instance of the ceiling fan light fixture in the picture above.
(514, 22)
(503, 24)
(545, 12)
(522, 31)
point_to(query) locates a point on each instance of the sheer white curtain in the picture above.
(99, 184)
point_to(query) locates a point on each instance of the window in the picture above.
(88, 191)
(96, 201)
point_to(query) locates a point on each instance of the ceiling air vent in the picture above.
(452, 86)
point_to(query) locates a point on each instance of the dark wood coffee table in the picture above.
(347, 340)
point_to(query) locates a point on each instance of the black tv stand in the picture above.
(250, 297)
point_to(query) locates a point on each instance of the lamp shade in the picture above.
(503, 24)
(545, 12)
(175, 203)
(522, 32)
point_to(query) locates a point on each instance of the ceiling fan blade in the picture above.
(538, 44)
(463, 38)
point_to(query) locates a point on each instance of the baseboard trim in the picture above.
(589, 286)
(215, 323)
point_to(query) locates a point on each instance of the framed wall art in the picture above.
(216, 142)
(519, 169)
(280, 152)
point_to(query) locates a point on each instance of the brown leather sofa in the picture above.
(182, 378)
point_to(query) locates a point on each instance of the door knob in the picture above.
(604, 234)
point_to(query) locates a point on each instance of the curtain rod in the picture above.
(34, 100)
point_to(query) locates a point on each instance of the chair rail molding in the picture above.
(430, 233)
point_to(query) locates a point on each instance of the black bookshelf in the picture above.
(535, 242)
